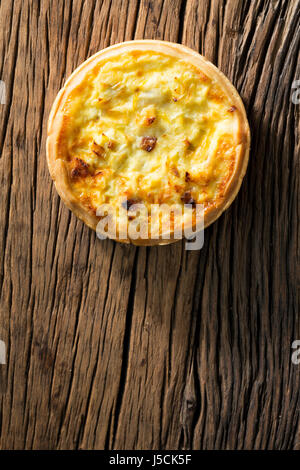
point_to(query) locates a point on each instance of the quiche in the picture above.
(151, 124)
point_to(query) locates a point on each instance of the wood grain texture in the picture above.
(118, 347)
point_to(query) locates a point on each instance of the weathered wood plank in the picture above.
(110, 346)
(243, 358)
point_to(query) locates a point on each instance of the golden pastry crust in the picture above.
(166, 135)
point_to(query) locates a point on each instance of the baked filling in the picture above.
(145, 126)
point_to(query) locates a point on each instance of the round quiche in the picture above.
(147, 124)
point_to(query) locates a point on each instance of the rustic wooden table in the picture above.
(112, 346)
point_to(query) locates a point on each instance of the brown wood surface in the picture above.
(112, 346)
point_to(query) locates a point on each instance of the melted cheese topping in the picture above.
(149, 127)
